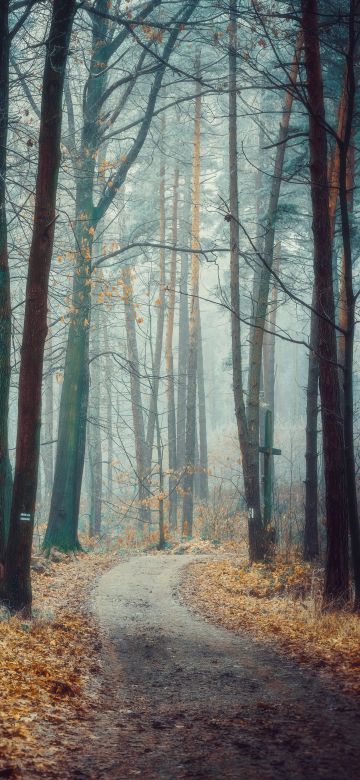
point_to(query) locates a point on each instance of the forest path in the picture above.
(194, 700)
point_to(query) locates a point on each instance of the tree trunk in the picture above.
(18, 557)
(62, 529)
(255, 524)
(203, 450)
(162, 540)
(5, 300)
(160, 315)
(109, 416)
(269, 359)
(188, 482)
(336, 590)
(169, 363)
(259, 247)
(311, 533)
(94, 429)
(348, 297)
(136, 401)
(269, 342)
(183, 329)
(251, 463)
(48, 436)
(248, 420)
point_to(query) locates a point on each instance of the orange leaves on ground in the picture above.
(279, 600)
(46, 665)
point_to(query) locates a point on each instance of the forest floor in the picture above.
(138, 684)
(51, 669)
(279, 602)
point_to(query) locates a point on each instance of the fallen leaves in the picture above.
(278, 601)
(47, 665)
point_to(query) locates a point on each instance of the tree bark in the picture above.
(255, 524)
(311, 533)
(183, 329)
(169, 364)
(203, 449)
(62, 528)
(269, 342)
(18, 556)
(94, 429)
(188, 481)
(160, 316)
(48, 455)
(136, 401)
(162, 539)
(5, 299)
(348, 297)
(109, 415)
(336, 589)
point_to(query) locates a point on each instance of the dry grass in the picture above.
(279, 601)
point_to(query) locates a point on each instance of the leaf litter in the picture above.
(278, 601)
(50, 668)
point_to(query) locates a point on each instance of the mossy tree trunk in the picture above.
(94, 423)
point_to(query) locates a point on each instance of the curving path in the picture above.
(195, 700)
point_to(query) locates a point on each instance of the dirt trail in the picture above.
(193, 700)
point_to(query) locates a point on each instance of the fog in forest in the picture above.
(163, 171)
(179, 389)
